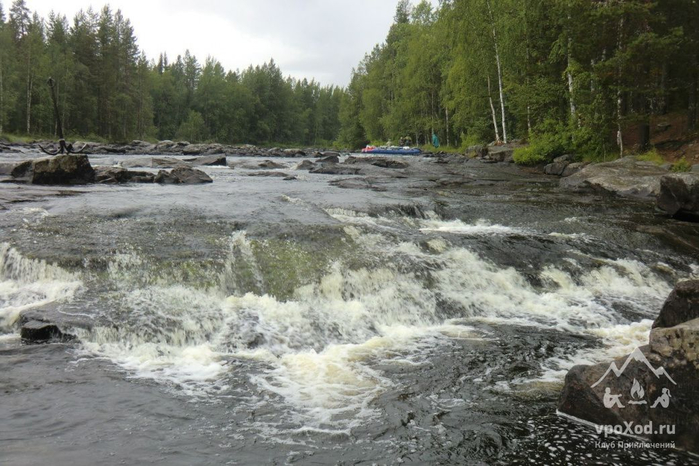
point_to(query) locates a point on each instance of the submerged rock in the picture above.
(679, 195)
(58, 170)
(182, 175)
(656, 384)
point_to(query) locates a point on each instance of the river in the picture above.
(420, 319)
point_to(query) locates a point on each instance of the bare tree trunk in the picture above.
(569, 74)
(30, 83)
(499, 65)
(492, 109)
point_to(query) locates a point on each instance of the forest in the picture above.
(593, 77)
(109, 90)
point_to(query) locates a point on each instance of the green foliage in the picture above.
(682, 166)
(107, 88)
(651, 156)
(472, 69)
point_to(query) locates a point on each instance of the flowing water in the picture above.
(259, 320)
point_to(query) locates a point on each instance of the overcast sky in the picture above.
(321, 39)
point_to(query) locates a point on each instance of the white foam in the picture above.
(27, 284)
(458, 227)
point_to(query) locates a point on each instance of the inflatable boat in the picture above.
(393, 150)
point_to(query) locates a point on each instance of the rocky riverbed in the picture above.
(304, 309)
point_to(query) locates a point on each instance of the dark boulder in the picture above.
(208, 161)
(679, 195)
(682, 305)
(58, 170)
(182, 175)
(36, 332)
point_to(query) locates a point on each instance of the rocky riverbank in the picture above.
(171, 148)
(651, 393)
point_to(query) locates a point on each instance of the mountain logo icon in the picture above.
(638, 356)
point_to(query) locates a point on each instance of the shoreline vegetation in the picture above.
(597, 80)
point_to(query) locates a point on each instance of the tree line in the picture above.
(107, 88)
(588, 76)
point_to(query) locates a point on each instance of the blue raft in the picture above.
(387, 151)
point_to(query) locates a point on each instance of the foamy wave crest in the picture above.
(28, 283)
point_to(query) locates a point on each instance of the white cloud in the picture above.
(321, 39)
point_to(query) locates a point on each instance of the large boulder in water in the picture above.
(183, 175)
(655, 385)
(682, 305)
(626, 177)
(679, 195)
(58, 170)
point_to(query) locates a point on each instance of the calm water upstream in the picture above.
(324, 320)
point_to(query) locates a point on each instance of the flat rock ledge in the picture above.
(626, 177)
(657, 383)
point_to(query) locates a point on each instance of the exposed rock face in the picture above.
(182, 175)
(657, 383)
(113, 175)
(681, 306)
(625, 177)
(58, 170)
(679, 195)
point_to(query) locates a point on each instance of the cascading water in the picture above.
(386, 333)
(395, 301)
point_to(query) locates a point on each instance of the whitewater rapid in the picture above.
(402, 288)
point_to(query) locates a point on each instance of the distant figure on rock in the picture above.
(435, 141)
(611, 400)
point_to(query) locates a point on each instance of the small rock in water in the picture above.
(183, 175)
(41, 332)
